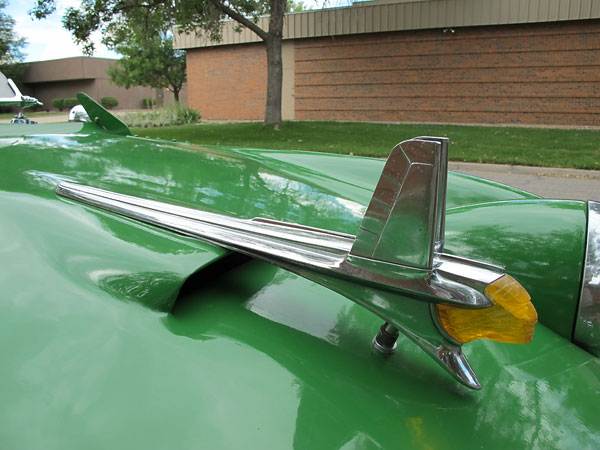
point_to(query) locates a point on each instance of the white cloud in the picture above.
(47, 39)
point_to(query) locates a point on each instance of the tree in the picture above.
(11, 46)
(295, 6)
(152, 63)
(149, 58)
(110, 15)
(10, 43)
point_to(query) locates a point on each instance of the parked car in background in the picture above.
(158, 294)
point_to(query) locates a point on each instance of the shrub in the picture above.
(59, 103)
(68, 103)
(173, 114)
(109, 102)
(148, 103)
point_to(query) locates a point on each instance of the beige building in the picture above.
(63, 78)
(436, 61)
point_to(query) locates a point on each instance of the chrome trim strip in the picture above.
(587, 325)
(440, 220)
(322, 256)
(305, 247)
(314, 248)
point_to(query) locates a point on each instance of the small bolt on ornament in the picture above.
(385, 340)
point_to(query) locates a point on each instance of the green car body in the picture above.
(118, 334)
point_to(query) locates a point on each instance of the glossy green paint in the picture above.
(260, 358)
(96, 248)
(540, 242)
(249, 356)
(323, 190)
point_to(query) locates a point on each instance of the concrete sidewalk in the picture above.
(543, 181)
(64, 116)
(52, 118)
(58, 117)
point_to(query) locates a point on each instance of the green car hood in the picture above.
(102, 347)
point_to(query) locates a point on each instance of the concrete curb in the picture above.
(524, 170)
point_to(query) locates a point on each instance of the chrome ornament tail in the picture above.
(394, 266)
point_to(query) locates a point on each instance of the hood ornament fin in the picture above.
(101, 117)
(394, 266)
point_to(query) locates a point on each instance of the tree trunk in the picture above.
(273, 43)
(176, 95)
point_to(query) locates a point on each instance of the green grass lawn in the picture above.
(502, 145)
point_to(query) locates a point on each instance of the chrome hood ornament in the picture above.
(394, 266)
(11, 95)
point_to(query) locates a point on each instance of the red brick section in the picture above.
(228, 82)
(520, 74)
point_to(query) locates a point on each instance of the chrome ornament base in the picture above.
(385, 341)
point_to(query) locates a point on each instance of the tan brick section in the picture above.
(228, 82)
(545, 74)
(522, 74)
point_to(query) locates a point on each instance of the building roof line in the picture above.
(385, 16)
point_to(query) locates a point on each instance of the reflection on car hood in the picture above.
(322, 190)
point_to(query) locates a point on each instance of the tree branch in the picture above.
(241, 19)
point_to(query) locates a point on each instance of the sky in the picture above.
(47, 39)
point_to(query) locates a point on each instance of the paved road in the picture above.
(543, 181)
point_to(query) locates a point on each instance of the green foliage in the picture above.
(68, 103)
(141, 32)
(173, 114)
(148, 103)
(15, 72)
(144, 39)
(11, 44)
(502, 145)
(149, 60)
(109, 102)
(296, 6)
(116, 18)
(59, 103)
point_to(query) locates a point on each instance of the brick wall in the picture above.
(528, 74)
(519, 74)
(64, 78)
(228, 82)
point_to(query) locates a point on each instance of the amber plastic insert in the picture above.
(511, 318)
